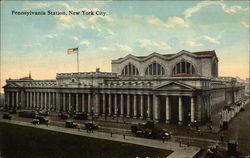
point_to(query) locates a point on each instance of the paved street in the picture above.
(238, 130)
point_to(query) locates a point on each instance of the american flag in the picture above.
(72, 50)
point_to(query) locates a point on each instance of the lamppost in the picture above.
(117, 115)
(188, 135)
(92, 114)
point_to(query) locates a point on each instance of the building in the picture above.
(171, 88)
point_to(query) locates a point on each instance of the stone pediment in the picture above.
(174, 86)
(11, 85)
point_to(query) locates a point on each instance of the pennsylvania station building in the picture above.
(170, 88)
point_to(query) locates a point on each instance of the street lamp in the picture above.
(92, 114)
(188, 135)
(117, 115)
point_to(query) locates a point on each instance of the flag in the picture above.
(72, 50)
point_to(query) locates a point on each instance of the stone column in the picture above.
(7, 98)
(135, 106)
(77, 102)
(103, 104)
(122, 106)
(83, 101)
(148, 106)
(41, 98)
(97, 104)
(141, 106)
(37, 100)
(128, 105)
(27, 99)
(180, 110)
(58, 103)
(156, 108)
(64, 102)
(115, 107)
(17, 100)
(31, 103)
(49, 102)
(167, 110)
(109, 105)
(89, 103)
(69, 109)
(45, 100)
(192, 109)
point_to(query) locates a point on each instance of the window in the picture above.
(155, 69)
(130, 69)
(183, 67)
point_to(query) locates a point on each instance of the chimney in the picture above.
(97, 69)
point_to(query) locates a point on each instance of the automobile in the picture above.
(143, 133)
(70, 124)
(12, 111)
(27, 113)
(44, 112)
(7, 116)
(63, 116)
(80, 116)
(42, 119)
(35, 121)
(91, 125)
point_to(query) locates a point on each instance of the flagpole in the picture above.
(78, 59)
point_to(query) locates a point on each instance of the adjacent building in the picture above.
(171, 88)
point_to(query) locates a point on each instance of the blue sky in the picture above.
(38, 44)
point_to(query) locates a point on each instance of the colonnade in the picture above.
(143, 106)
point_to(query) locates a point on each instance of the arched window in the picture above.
(184, 68)
(214, 69)
(155, 69)
(130, 69)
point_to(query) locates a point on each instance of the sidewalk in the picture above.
(179, 152)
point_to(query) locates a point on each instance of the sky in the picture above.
(38, 43)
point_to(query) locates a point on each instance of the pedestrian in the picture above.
(123, 136)
(47, 124)
(179, 142)
(163, 139)
(111, 134)
(221, 138)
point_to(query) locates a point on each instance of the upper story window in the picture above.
(184, 68)
(130, 69)
(155, 69)
(214, 69)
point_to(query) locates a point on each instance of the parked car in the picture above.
(63, 116)
(42, 119)
(7, 116)
(27, 113)
(80, 116)
(12, 111)
(35, 121)
(70, 124)
(90, 125)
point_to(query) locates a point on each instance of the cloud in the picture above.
(51, 35)
(125, 48)
(37, 5)
(75, 38)
(194, 44)
(210, 39)
(85, 42)
(199, 6)
(245, 24)
(170, 23)
(106, 48)
(31, 45)
(149, 44)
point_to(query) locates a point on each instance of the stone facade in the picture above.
(171, 88)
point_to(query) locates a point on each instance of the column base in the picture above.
(134, 117)
(141, 117)
(156, 120)
(103, 115)
(180, 123)
(128, 116)
(148, 118)
(121, 115)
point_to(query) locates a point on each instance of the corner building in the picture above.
(171, 88)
